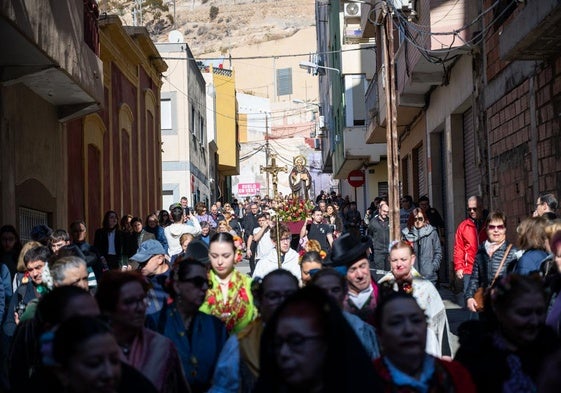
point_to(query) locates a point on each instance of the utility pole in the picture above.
(391, 125)
(267, 147)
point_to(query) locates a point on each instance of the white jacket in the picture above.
(269, 263)
(174, 231)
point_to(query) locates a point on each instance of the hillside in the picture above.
(216, 25)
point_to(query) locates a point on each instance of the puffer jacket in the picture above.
(484, 267)
(428, 251)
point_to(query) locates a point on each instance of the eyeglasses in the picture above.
(419, 219)
(470, 209)
(198, 281)
(275, 296)
(285, 239)
(294, 341)
(493, 227)
(142, 300)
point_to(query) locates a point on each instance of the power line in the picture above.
(265, 56)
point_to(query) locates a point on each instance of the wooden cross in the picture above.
(273, 169)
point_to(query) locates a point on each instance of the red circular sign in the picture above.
(356, 178)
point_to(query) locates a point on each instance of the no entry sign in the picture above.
(356, 178)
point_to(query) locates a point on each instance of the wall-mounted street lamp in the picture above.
(309, 66)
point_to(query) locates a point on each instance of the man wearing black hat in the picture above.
(152, 263)
(350, 254)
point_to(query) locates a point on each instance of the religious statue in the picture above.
(299, 178)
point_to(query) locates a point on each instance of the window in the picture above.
(165, 105)
(355, 107)
(192, 120)
(28, 218)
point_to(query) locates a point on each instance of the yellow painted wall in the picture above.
(226, 130)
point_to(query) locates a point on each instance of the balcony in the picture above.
(419, 59)
(356, 152)
(376, 104)
(532, 34)
(53, 50)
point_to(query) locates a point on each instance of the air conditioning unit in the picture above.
(317, 144)
(352, 10)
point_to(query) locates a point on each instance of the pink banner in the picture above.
(249, 189)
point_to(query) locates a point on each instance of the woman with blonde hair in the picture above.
(223, 226)
(404, 278)
(532, 245)
(21, 274)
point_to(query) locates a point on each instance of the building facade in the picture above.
(47, 80)
(185, 155)
(346, 68)
(114, 155)
(79, 109)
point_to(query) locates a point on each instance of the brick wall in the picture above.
(511, 148)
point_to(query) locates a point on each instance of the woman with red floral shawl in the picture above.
(229, 298)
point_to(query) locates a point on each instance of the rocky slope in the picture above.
(216, 25)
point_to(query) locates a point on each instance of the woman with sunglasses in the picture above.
(489, 257)
(198, 337)
(425, 241)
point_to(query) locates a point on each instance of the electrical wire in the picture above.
(266, 56)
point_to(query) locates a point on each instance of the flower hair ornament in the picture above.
(392, 244)
(238, 243)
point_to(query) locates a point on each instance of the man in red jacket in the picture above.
(469, 235)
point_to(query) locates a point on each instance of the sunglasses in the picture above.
(419, 219)
(198, 281)
(470, 209)
(493, 227)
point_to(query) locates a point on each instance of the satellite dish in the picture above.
(175, 37)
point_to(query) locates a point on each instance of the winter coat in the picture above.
(379, 231)
(466, 242)
(428, 251)
(485, 267)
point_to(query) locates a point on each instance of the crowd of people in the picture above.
(159, 305)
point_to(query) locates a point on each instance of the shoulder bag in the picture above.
(479, 295)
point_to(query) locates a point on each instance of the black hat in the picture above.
(197, 249)
(347, 249)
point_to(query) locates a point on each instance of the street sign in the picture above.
(356, 178)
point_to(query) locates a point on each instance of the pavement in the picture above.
(452, 301)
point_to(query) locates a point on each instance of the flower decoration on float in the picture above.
(294, 209)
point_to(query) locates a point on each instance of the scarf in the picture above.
(518, 381)
(402, 379)
(250, 343)
(491, 247)
(236, 310)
